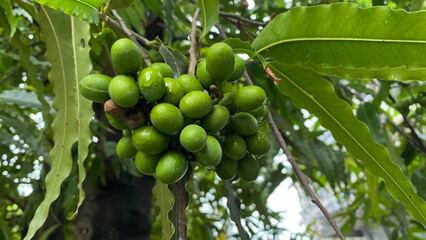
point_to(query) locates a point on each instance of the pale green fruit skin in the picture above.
(234, 147)
(249, 98)
(95, 87)
(147, 163)
(171, 167)
(189, 83)
(220, 61)
(244, 124)
(227, 168)
(164, 69)
(174, 91)
(196, 104)
(151, 84)
(248, 168)
(125, 148)
(258, 144)
(210, 155)
(149, 140)
(261, 113)
(126, 57)
(204, 76)
(216, 120)
(193, 138)
(121, 4)
(124, 91)
(166, 118)
(116, 122)
(127, 132)
(239, 67)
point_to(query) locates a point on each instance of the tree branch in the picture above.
(244, 20)
(181, 209)
(192, 48)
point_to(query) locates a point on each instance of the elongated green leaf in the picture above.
(312, 92)
(164, 199)
(66, 39)
(7, 8)
(21, 98)
(345, 40)
(209, 14)
(234, 207)
(175, 59)
(86, 10)
(167, 9)
(239, 46)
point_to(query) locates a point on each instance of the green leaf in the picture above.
(167, 9)
(239, 46)
(235, 210)
(312, 92)
(368, 115)
(7, 7)
(344, 40)
(175, 59)
(21, 98)
(419, 178)
(86, 10)
(209, 14)
(164, 199)
(66, 39)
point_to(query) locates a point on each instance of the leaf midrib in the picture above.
(352, 137)
(290, 40)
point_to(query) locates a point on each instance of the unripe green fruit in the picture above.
(174, 91)
(189, 83)
(239, 67)
(164, 69)
(248, 168)
(249, 98)
(210, 155)
(258, 144)
(125, 148)
(261, 113)
(193, 138)
(216, 120)
(126, 57)
(227, 168)
(116, 122)
(149, 140)
(127, 132)
(244, 124)
(166, 118)
(124, 91)
(95, 87)
(203, 76)
(220, 61)
(121, 4)
(147, 163)
(196, 104)
(234, 147)
(151, 84)
(171, 167)
(204, 51)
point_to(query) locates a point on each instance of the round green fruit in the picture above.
(193, 138)
(216, 120)
(116, 122)
(164, 69)
(166, 118)
(189, 83)
(147, 163)
(95, 87)
(171, 167)
(227, 168)
(234, 147)
(121, 4)
(248, 168)
(174, 91)
(125, 148)
(124, 91)
(149, 140)
(127, 132)
(203, 76)
(210, 155)
(239, 67)
(151, 84)
(249, 98)
(126, 57)
(258, 144)
(220, 61)
(196, 104)
(261, 113)
(244, 124)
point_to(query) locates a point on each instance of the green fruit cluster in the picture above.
(169, 122)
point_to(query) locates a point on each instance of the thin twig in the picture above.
(131, 34)
(241, 28)
(221, 31)
(193, 47)
(413, 142)
(181, 209)
(10, 74)
(244, 20)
